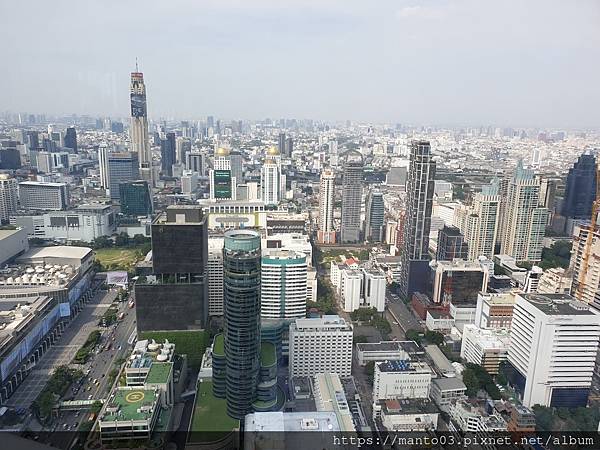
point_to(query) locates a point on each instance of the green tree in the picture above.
(122, 240)
(413, 335)
(433, 337)
(471, 382)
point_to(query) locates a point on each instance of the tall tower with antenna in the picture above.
(140, 143)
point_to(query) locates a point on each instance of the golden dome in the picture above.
(222, 151)
(273, 151)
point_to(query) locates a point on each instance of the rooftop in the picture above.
(558, 304)
(210, 413)
(159, 373)
(292, 421)
(58, 251)
(408, 406)
(268, 354)
(130, 404)
(449, 384)
(402, 366)
(6, 233)
(332, 321)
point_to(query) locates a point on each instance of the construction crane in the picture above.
(590, 237)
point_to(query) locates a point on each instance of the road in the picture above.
(398, 313)
(96, 385)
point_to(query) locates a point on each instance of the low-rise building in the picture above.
(473, 419)
(439, 321)
(330, 397)
(406, 415)
(84, 223)
(386, 350)
(401, 379)
(487, 348)
(444, 391)
(12, 243)
(29, 327)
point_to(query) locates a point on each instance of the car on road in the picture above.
(65, 426)
(90, 397)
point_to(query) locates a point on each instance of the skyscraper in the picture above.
(270, 179)
(580, 191)
(71, 139)
(222, 183)
(281, 141)
(122, 167)
(326, 232)
(177, 298)
(237, 166)
(167, 154)
(374, 216)
(242, 343)
(140, 143)
(352, 177)
(523, 220)
(417, 222)
(480, 222)
(103, 165)
(9, 194)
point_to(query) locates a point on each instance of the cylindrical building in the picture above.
(241, 284)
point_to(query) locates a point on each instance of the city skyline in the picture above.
(330, 60)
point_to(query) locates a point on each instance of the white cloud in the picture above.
(417, 11)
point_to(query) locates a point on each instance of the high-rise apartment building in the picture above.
(352, 178)
(103, 166)
(122, 167)
(374, 219)
(9, 195)
(523, 219)
(553, 347)
(270, 181)
(140, 143)
(326, 232)
(283, 284)
(417, 221)
(242, 341)
(168, 154)
(480, 222)
(580, 191)
(71, 139)
(43, 195)
(586, 287)
(320, 345)
(215, 276)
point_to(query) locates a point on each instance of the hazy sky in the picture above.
(474, 62)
